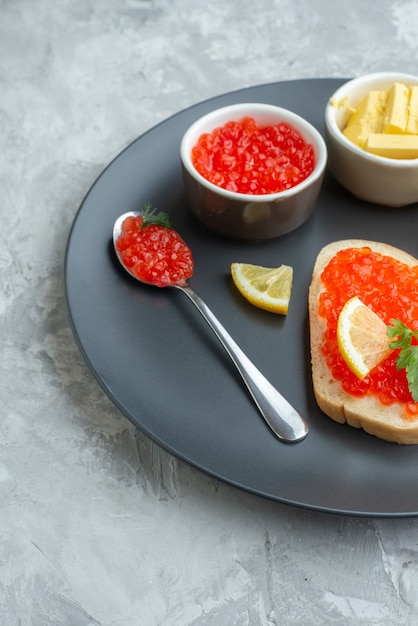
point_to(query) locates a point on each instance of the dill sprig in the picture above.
(152, 216)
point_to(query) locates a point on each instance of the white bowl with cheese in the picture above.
(390, 176)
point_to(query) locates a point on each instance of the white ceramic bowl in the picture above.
(251, 217)
(384, 181)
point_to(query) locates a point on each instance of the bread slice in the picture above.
(385, 422)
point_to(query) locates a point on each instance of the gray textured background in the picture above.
(98, 526)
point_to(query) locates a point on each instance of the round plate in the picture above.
(159, 362)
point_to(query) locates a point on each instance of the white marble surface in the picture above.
(98, 526)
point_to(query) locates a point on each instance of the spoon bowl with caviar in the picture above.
(152, 252)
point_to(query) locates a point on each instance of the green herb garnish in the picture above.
(152, 216)
(408, 356)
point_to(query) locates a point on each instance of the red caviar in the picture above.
(155, 254)
(390, 289)
(243, 157)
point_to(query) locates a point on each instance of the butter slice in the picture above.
(393, 146)
(396, 109)
(367, 118)
(412, 123)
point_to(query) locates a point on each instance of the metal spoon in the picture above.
(286, 423)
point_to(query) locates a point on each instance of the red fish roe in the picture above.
(243, 157)
(155, 254)
(390, 289)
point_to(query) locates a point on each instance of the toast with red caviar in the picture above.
(334, 281)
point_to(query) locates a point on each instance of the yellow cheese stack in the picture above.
(396, 114)
(367, 118)
(386, 122)
(412, 123)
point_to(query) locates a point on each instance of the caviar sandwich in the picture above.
(382, 398)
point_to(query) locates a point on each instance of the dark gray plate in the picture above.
(158, 361)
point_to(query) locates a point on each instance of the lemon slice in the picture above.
(362, 338)
(265, 287)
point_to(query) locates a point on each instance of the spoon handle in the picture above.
(286, 423)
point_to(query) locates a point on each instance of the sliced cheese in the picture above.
(396, 114)
(367, 118)
(386, 122)
(393, 146)
(412, 123)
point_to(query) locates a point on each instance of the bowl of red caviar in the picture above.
(252, 171)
